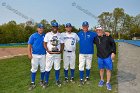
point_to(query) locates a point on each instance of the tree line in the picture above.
(120, 24)
(12, 32)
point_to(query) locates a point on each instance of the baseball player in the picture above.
(36, 52)
(70, 39)
(86, 45)
(106, 50)
(54, 45)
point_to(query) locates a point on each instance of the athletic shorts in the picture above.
(105, 63)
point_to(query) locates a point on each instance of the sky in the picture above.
(64, 11)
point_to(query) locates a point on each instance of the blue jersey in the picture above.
(36, 40)
(86, 42)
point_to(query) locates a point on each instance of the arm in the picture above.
(61, 47)
(77, 38)
(94, 37)
(45, 46)
(29, 51)
(113, 45)
(61, 43)
(107, 33)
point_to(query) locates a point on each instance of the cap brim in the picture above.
(99, 28)
(85, 25)
(68, 26)
(54, 26)
(40, 27)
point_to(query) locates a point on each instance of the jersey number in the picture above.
(72, 43)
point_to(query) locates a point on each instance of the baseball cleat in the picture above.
(72, 80)
(81, 83)
(41, 83)
(108, 85)
(58, 83)
(45, 85)
(66, 80)
(87, 81)
(32, 86)
(101, 83)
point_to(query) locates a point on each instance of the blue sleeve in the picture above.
(31, 40)
(94, 34)
(78, 34)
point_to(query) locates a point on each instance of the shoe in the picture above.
(58, 83)
(101, 83)
(87, 81)
(108, 86)
(66, 80)
(81, 83)
(41, 83)
(32, 86)
(45, 85)
(72, 80)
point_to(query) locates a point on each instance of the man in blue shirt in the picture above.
(37, 52)
(86, 45)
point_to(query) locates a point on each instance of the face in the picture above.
(40, 30)
(99, 32)
(68, 29)
(54, 29)
(85, 28)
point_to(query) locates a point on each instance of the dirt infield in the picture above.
(129, 68)
(11, 52)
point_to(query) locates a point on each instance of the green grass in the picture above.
(15, 78)
(15, 46)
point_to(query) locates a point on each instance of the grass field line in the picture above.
(10, 56)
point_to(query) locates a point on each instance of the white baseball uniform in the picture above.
(38, 52)
(38, 60)
(70, 40)
(53, 58)
(85, 59)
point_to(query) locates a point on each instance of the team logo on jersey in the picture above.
(54, 43)
(88, 36)
(54, 37)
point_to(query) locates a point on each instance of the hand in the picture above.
(107, 33)
(30, 56)
(54, 52)
(50, 52)
(112, 56)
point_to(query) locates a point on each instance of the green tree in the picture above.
(118, 14)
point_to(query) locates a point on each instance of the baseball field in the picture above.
(15, 78)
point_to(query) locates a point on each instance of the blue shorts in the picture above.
(105, 63)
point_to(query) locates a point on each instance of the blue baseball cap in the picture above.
(68, 25)
(54, 24)
(40, 25)
(85, 23)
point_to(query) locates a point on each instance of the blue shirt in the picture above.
(86, 42)
(36, 40)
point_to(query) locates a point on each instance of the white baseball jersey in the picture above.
(50, 37)
(70, 40)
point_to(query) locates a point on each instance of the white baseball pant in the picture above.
(85, 59)
(53, 59)
(69, 60)
(36, 61)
